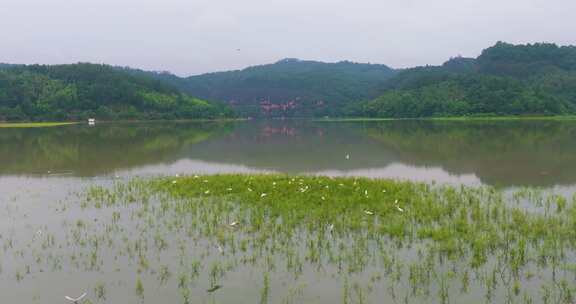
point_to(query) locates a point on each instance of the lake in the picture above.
(502, 154)
(44, 170)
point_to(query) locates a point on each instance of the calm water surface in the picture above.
(41, 169)
(503, 154)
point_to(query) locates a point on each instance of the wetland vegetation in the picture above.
(298, 181)
(122, 212)
(352, 240)
(35, 124)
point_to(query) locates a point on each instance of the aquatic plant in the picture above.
(366, 239)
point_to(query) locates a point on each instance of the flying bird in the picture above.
(75, 300)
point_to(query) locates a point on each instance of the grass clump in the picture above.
(367, 240)
(34, 124)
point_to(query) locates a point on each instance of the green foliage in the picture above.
(475, 95)
(526, 60)
(417, 235)
(307, 88)
(79, 91)
(506, 79)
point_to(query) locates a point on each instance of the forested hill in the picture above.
(506, 79)
(290, 87)
(78, 91)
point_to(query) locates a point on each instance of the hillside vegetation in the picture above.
(78, 91)
(506, 79)
(289, 87)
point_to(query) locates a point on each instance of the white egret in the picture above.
(75, 300)
(397, 206)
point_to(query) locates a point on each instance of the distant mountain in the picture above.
(8, 65)
(78, 91)
(506, 79)
(290, 87)
(526, 61)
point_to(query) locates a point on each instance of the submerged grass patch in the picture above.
(34, 124)
(367, 241)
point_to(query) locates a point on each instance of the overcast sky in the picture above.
(190, 37)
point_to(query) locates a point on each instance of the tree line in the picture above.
(79, 91)
(506, 79)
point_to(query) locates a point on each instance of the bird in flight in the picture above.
(75, 300)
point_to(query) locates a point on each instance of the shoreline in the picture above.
(35, 124)
(57, 124)
(455, 118)
(346, 119)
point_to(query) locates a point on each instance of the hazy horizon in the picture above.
(194, 37)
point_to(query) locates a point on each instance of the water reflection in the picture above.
(496, 153)
(513, 153)
(90, 151)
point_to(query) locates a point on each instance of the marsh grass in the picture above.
(369, 241)
(34, 124)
